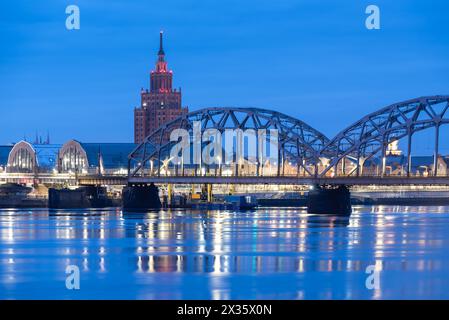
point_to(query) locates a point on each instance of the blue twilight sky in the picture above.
(314, 60)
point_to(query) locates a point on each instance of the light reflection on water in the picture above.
(265, 254)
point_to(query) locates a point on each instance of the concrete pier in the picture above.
(329, 200)
(141, 198)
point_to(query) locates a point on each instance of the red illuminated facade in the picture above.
(161, 103)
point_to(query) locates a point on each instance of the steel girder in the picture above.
(298, 141)
(372, 134)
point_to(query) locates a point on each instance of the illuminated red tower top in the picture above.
(161, 78)
(160, 104)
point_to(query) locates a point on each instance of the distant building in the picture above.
(159, 105)
(396, 163)
(94, 158)
(393, 149)
(71, 157)
(421, 166)
(26, 157)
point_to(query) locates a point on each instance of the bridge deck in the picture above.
(273, 180)
(390, 180)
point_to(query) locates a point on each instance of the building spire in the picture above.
(161, 44)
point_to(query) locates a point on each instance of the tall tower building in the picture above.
(161, 103)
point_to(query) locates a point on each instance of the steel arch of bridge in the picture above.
(373, 133)
(299, 143)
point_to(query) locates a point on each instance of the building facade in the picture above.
(71, 157)
(161, 103)
(26, 157)
(94, 158)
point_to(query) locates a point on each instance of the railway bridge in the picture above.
(259, 146)
(253, 146)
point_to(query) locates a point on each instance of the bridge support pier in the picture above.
(141, 198)
(170, 194)
(329, 200)
(210, 196)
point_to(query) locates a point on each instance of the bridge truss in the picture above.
(301, 150)
(347, 153)
(298, 146)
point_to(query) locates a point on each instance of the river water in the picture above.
(263, 254)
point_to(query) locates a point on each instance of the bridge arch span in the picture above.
(298, 148)
(372, 134)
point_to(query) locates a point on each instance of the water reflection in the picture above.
(268, 253)
(226, 242)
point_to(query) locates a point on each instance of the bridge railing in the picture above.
(349, 169)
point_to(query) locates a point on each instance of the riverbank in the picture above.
(34, 202)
